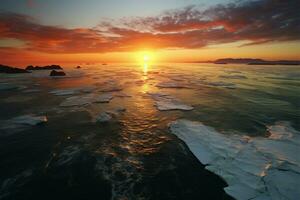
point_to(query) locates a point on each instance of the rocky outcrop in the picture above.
(47, 67)
(11, 70)
(57, 73)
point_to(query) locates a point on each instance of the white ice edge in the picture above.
(254, 168)
(165, 102)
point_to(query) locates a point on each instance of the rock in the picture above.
(57, 73)
(47, 67)
(78, 67)
(254, 168)
(11, 70)
(103, 117)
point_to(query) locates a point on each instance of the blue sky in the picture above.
(88, 13)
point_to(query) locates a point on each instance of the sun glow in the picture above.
(145, 59)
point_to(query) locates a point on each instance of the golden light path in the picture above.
(146, 57)
(145, 68)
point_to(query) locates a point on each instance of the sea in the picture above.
(103, 131)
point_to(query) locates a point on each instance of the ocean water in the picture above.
(133, 154)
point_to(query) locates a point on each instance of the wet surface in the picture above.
(133, 155)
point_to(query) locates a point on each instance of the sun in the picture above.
(146, 57)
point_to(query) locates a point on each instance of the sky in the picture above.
(77, 31)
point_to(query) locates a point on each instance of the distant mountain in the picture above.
(237, 60)
(254, 61)
(11, 70)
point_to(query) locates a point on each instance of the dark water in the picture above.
(134, 155)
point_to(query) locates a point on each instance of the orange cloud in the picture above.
(190, 28)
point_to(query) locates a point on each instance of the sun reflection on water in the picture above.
(145, 68)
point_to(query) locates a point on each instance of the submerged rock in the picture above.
(254, 168)
(57, 73)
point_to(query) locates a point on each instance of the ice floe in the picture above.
(117, 111)
(165, 102)
(82, 100)
(104, 98)
(220, 84)
(254, 168)
(122, 94)
(233, 76)
(64, 92)
(72, 91)
(109, 86)
(6, 86)
(21, 122)
(171, 85)
(103, 117)
(31, 91)
(30, 120)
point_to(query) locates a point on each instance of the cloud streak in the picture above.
(192, 27)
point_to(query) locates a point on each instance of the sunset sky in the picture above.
(77, 31)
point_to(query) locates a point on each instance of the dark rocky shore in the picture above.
(47, 67)
(11, 70)
(28, 69)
